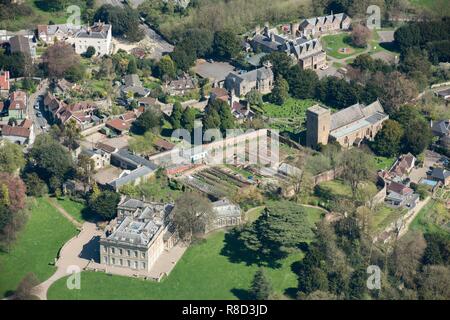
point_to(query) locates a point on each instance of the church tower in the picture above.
(318, 123)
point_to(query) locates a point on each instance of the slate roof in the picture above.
(131, 177)
(441, 127)
(20, 44)
(98, 31)
(372, 113)
(440, 174)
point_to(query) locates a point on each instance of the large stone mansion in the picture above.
(139, 235)
(349, 127)
(143, 230)
(308, 53)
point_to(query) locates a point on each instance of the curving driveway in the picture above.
(78, 251)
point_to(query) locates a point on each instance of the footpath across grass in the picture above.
(36, 247)
(204, 272)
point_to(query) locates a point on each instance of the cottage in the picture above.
(441, 175)
(22, 134)
(402, 166)
(399, 195)
(18, 105)
(57, 32)
(180, 86)
(132, 86)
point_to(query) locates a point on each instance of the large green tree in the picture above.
(11, 157)
(105, 204)
(49, 159)
(226, 44)
(387, 142)
(261, 287)
(283, 225)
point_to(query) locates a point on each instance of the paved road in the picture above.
(39, 122)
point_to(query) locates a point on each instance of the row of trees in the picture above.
(335, 265)
(372, 79)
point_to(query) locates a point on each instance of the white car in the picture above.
(325, 67)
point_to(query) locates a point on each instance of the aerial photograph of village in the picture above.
(246, 150)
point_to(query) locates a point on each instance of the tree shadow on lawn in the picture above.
(236, 252)
(242, 294)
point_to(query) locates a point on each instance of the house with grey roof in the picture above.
(23, 45)
(132, 85)
(444, 94)
(332, 23)
(138, 236)
(98, 36)
(261, 79)
(134, 177)
(349, 127)
(441, 175)
(308, 53)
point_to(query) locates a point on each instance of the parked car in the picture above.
(325, 67)
(39, 114)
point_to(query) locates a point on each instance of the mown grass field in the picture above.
(333, 43)
(204, 272)
(75, 209)
(39, 16)
(36, 247)
(433, 218)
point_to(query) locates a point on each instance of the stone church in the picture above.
(349, 127)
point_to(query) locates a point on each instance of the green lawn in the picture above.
(336, 189)
(384, 216)
(39, 16)
(332, 44)
(202, 273)
(291, 108)
(73, 208)
(433, 218)
(383, 163)
(37, 246)
(290, 116)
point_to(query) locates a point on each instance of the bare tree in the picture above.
(192, 215)
(24, 290)
(59, 58)
(360, 35)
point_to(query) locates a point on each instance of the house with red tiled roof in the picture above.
(403, 166)
(18, 105)
(22, 134)
(118, 126)
(4, 83)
